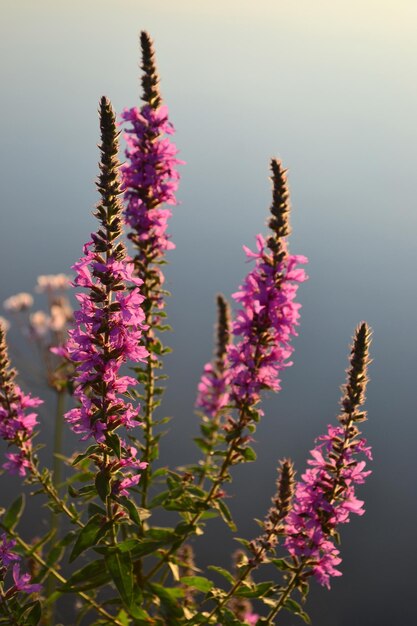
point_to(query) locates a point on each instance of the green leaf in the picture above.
(72, 492)
(293, 606)
(256, 591)
(243, 542)
(136, 514)
(113, 441)
(14, 513)
(223, 572)
(102, 483)
(94, 508)
(281, 564)
(183, 503)
(119, 565)
(90, 576)
(160, 498)
(34, 614)
(197, 582)
(86, 537)
(163, 534)
(202, 444)
(225, 513)
(57, 550)
(169, 601)
(146, 547)
(249, 454)
(87, 453)
(229, 619)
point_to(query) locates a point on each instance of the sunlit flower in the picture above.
(19, 302)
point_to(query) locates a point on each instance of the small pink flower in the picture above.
(22, 581)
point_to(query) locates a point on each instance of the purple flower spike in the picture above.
(150, 178)
(265, 323)
(213, 389)
(325, 497)
(266, 320)
(17, 420)
(110, 322)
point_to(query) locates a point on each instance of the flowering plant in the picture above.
(103, 548)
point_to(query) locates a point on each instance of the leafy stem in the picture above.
(34, 555)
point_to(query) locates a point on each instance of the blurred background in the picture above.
(330, 88)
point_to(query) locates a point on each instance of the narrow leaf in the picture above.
(197, 582)
(14, 513)
(86, 537)
(119, 566)
(102, 483)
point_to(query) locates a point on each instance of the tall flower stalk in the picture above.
(261, 547)
(263, 327)
(150, 181)
(213, 388)
(17, 419)
(325, 496)
(17, 429)
(107, 333)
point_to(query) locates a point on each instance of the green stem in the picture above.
(110, 518)
(148, 418)
(231, 591)
(58, 433)
(50, 490)
(56, 481)
(292, 583)
(211, 442)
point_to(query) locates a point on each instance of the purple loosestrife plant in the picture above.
(267, 319)
(48, 330)
(263, 327)
(150, 180)
(325, 496)
(17, 419)
(107, 332)
(130, 571)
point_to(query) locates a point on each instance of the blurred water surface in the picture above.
(330, 88)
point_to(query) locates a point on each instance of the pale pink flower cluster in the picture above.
(42, 326)
(53, 282)
(324, 498)
(19, 302)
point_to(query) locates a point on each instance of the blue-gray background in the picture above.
(330, 88)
